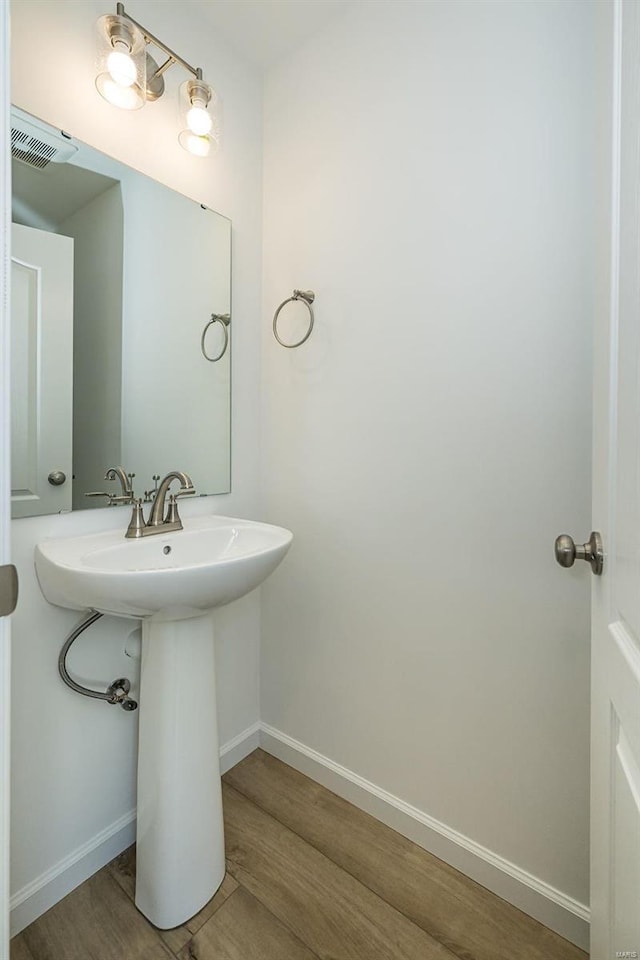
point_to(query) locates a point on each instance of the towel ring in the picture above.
(307, 296)
(224, 319)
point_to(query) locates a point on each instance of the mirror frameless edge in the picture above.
(114, 278)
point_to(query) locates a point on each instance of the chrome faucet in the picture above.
(126, 480)
(156, 517)
(159, 521)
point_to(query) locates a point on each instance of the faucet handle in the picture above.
(101, 493)
(136, 524)
(113, 499)
(187, 492)
(150, 494)
(172, 515)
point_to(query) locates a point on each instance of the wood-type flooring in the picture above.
(309, 877)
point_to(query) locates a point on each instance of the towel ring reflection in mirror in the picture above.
(224, 319)
(307, 296)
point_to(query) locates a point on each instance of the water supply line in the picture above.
(116, 692)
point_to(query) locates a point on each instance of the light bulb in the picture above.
(127, 98)
(198, 145)
(121, 67)
(199, 119)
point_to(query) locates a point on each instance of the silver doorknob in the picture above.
(567, 551)
(56, 478)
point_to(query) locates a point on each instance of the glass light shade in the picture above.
(121, 62)
(199, 118)
(199, 146)
(121, 68)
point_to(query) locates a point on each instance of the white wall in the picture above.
(97, 230)
(428, 172)
(73, 760)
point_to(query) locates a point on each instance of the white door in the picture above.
(5, 207)
(615, 773)
(41, 392)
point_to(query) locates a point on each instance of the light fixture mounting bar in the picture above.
(150, 38)
(169, 62)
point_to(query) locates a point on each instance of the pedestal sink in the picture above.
(172, 582)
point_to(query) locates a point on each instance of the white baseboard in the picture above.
(540, 900)
(240, 747)
(45, 891)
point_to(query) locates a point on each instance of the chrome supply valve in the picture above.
(118, 691)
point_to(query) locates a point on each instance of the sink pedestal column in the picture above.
(180, 840)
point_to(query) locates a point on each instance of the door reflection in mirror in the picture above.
(106, 356)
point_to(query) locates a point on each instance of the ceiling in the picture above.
(56, 193)
(263, 31)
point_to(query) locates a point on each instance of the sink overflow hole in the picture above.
(166, 549)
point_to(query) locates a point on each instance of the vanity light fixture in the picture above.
(127, 76)
(199, 123)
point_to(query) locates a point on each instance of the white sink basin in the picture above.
(172, 582)
(170, 576)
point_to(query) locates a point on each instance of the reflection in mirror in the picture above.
(114, 280)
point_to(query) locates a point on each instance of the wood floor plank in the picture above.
(474, 923)
(18, 949)
(123, 869)
(243, 929)
(325, 907)
(97, 921)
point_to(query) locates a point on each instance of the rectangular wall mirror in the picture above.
(116, 357)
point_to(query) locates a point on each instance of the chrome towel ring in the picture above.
(307, 296)
(224, 319)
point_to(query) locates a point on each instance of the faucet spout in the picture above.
(156, 517)
(118, 473)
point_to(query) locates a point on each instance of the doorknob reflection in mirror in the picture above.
(56, 478)
(567, 551)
